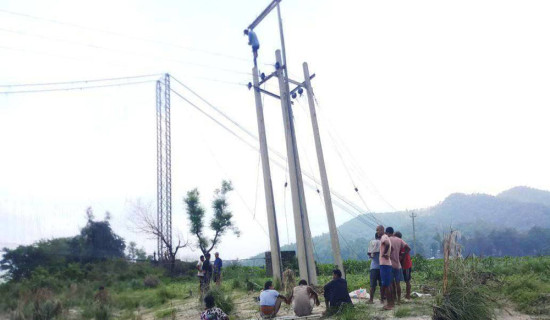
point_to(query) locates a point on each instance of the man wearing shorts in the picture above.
(385, 267)
(406, 265)
(397, 245)
(374, 254)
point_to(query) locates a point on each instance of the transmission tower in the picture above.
(164, 166)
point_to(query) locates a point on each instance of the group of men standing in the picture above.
(391, 264)
(206, 271)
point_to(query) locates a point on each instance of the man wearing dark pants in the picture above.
(336, 293)
(406, 266)
(374, 254)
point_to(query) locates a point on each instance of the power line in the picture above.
(121, 35)
(79, 81)
(125, 52)
(277, 153)
(76, 88)
(361, 218)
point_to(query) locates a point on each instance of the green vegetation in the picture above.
(520, 283)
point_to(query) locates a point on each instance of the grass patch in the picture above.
(402, 312)
(166, 313)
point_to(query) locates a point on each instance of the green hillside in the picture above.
(490, 225)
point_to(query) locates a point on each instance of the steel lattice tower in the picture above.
(164, 166)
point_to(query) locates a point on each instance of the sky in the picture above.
(417, 100)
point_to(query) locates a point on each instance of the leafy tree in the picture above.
(97, 241)
(220, 223)
(134, 253)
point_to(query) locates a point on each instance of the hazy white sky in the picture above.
(430, 97)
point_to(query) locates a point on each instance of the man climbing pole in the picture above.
(253, 42)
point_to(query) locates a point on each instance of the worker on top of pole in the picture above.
(253, 42)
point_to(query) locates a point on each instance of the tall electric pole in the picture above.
(268, 186)
(413, 215)
(323, 172)
(304, 243)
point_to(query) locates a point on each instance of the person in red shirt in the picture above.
(406, 265)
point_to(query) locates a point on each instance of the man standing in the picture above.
(200, 273)
(253, 42)
(374, 254)
(303, 297)
(385, 267)
(270, 301)
(207, 271)
(336, 293)
(406, 265)
(397, 274)
(217, 269)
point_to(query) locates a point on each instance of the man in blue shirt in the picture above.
(253, 42)
(217, 269)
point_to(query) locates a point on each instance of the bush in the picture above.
(165, 295)
(466, 297)
(222, 300)
(151, 281)
(45, 307)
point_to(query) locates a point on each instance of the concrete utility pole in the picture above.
(304, 243)
(413, 215)
(268, 186)
(323, 171)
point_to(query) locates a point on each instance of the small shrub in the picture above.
(465, 298)
(402, 312)
(165, 295)
(236, 284)
(151, 281)
(165, 313)
(45, 306)
(102, 312)
(222, 300)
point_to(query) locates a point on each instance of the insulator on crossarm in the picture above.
(249, 85)
(262, 76)
(294, 95)
(300, 91)
(277, 66)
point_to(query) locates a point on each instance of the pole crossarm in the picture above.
(264, 13)
(267, 92)
(299, 85)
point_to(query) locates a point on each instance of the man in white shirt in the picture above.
(200, 273)
(270, 301)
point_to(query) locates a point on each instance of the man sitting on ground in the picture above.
(336, 293)
(211, 312)
(270, 301)
(302, 298)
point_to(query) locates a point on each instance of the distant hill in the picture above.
(514, 211)
(526, 194)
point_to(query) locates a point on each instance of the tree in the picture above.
(220, 223)
(97, 241)
(145, 223)
(135, 253)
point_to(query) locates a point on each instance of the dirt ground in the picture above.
(247, 308)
